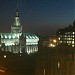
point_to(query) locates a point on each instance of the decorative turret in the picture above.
(16, 27)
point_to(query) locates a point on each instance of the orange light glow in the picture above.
(2, 71)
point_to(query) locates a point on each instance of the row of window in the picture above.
(71, 42)
(31, 49)
(66, 36)
(68, 42)
(69, 32)
(66, 39)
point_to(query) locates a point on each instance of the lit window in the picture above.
(36, 37)
(58, 64)
(9, 37)
(73, 32)
(73, 35)
(29, 52)
(51, 45)
(73, 39)
(65, 36)
(69, 42)
(18, 36)
(60, 41)
(27, 37)
(33, 37)
(30, 37)
(13, 44)
(69, 38)
(59, 38)
(72, 45)
(5, 36)
(72, 42)
(6, 45)
(13, 36)
(1, 36)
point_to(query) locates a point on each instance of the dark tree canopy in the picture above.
(74, 23)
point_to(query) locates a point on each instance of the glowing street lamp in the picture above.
(5, 56)
(54, 41)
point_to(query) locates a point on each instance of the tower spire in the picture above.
(16, 27)
(17, 5)
(17, 12)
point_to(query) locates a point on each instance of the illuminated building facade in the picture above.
(17, 41)
(52, 41)
(67, 35)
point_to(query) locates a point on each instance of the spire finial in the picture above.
(17, 13)
(17, 5)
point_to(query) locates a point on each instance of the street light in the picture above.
(54, 41)
(5, 56)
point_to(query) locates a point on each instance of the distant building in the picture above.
(47, 41)
(67, 35)
(17, 41)
(56, 55)
(52, 42)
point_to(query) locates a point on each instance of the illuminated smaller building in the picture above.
(52, 41)
(67, 35)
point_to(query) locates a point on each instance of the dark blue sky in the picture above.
(37, 16)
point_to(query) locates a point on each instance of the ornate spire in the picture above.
(17, 19)
(16, 27)
(17, 12)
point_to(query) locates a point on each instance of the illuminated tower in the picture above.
(16, 27)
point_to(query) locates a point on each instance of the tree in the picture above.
(74, 23)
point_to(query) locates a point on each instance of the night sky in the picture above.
(43, 17)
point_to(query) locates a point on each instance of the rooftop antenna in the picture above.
(17, 13)
(17, 5)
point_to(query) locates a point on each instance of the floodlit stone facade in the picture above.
(17, 41)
